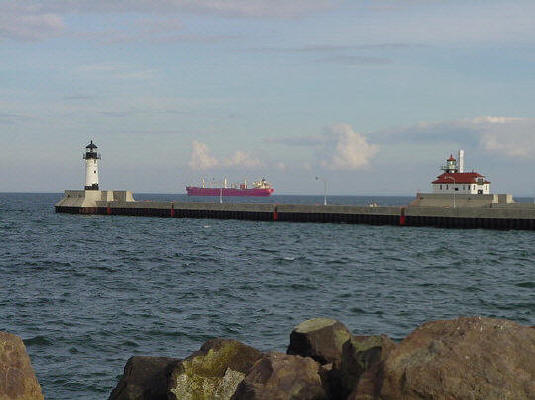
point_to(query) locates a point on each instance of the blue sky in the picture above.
(372, 96)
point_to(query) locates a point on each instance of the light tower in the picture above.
(91, 158)
(451, 165)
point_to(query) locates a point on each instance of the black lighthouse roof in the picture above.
(91, 146)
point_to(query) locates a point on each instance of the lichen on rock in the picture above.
(214, 372)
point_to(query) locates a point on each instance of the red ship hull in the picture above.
(255, 192)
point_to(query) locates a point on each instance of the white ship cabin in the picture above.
(455, 180)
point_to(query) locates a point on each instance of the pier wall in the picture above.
(497, 216)
(489, 218)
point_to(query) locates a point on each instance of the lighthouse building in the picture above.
(91, 158)
(455, 180)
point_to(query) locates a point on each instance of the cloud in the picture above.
(116, 71)
(338, 148)
(506, 136)
(259, 8)
(346, 149)
(229, 8)
(201, 159)
(511, 137)
(21, 23)
(332, 48)
(34, 20)
(353, 60)
(7, 118)
(241, 159)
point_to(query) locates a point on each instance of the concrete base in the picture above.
(93, 198)
(461, 200)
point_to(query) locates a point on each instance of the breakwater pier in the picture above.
(492, 212)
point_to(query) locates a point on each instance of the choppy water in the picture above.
(87, 292)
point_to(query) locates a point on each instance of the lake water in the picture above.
(87, 292)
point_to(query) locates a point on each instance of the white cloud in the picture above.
(233, 8)
(201, 159)
(241, 159)
(494, 120)
(39, 20)
(346, 149)
(259, 8)
(21, 23)
(116, 71)
(511, 137)
(506, 136)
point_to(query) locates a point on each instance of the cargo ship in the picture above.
(260, 188)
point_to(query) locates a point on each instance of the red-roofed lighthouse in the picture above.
(455, 180)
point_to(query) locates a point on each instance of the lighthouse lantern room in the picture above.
(91, 158)
(455, 180)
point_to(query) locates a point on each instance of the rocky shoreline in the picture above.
(466, 358)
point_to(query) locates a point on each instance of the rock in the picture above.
(462, 359)
(214, 372)
(319, 338)
(360, 354)
(145, 378)
(279, 376)
(17, 378)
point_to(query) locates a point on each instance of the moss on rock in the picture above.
(214, 372)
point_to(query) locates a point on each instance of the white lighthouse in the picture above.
(91, 158)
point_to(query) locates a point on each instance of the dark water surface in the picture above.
(87, 292)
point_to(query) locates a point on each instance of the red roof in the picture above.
(451, 158)
(459, 178)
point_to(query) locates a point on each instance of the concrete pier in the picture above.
(493, 216)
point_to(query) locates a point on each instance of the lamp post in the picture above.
(324, 189)
(454, 184)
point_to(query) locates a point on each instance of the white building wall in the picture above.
(461, 188)
(91, 172)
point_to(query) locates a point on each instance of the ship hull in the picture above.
(253, 192)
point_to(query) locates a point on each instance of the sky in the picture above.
(371, 96)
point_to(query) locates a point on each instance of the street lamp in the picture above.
(454, 187)
(324, 189)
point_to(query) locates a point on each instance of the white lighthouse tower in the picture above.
(91, 158)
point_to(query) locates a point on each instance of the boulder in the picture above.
(462, 359)
(213, 372)
(145, 378)
(360, 354)
(279, 376)
(319, 338)
(17, 378)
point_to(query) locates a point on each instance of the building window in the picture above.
(440, 187)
